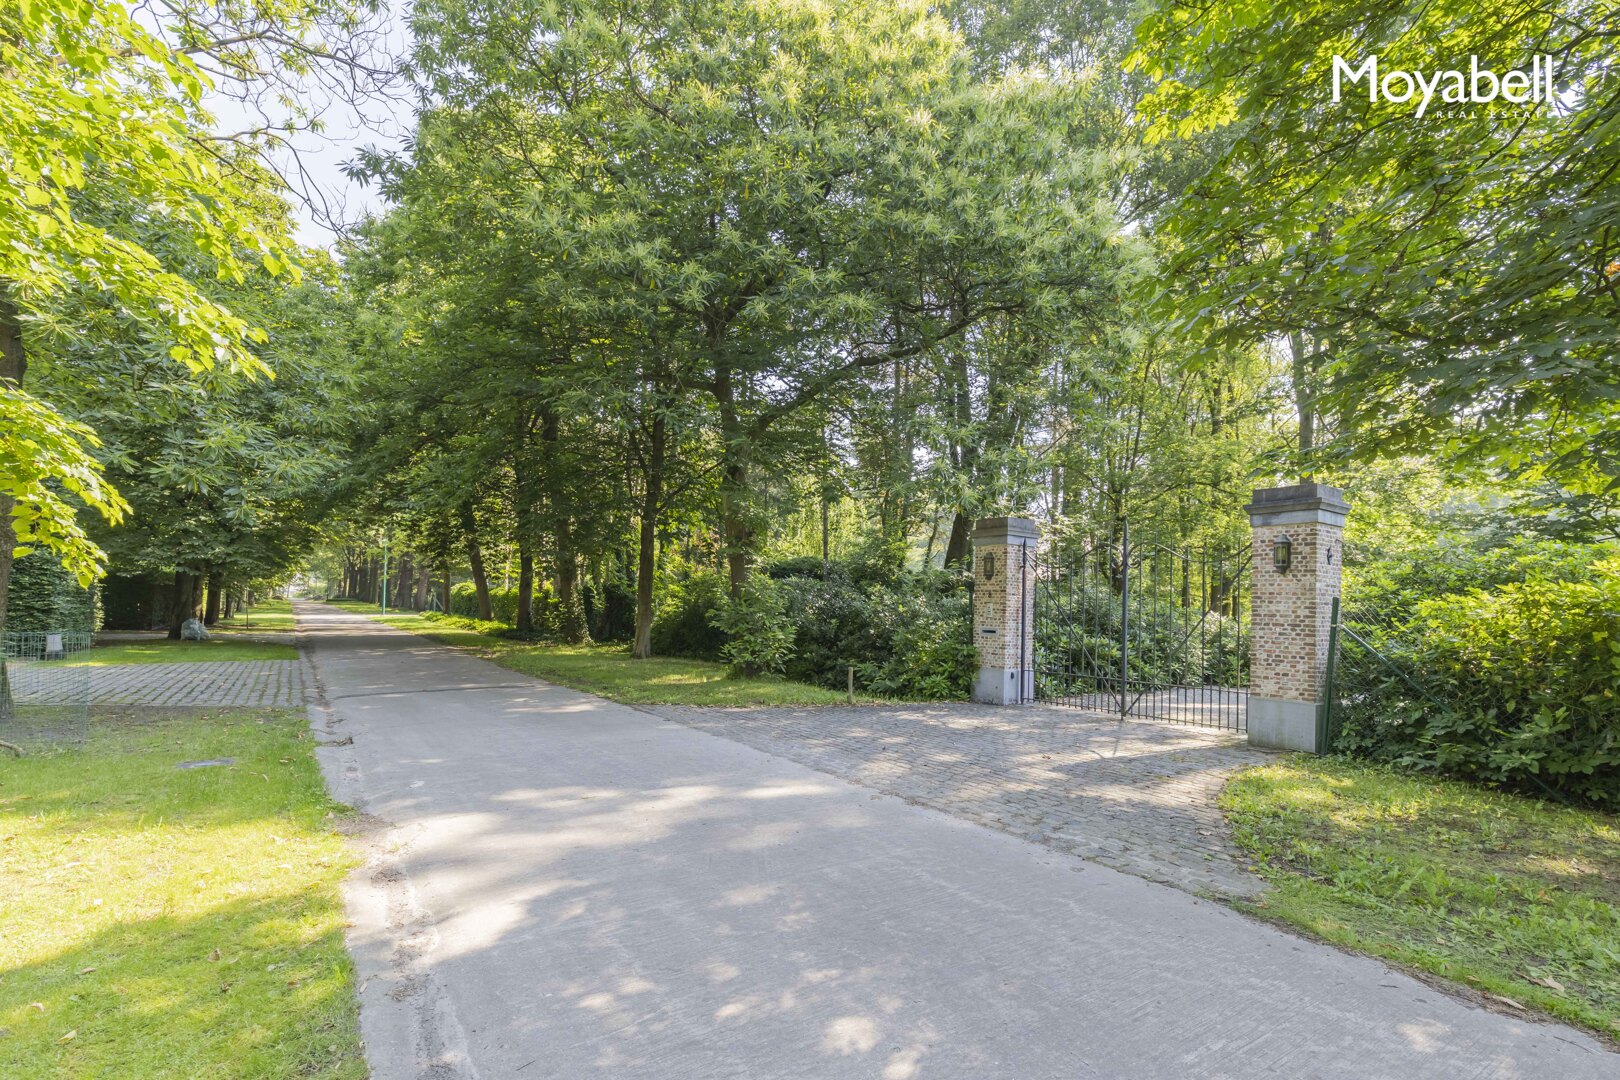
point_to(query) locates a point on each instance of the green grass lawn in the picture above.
(164, 651)
(1517, 898)
(351, 605)
(608, 670)
(161, 922)
(265, 615)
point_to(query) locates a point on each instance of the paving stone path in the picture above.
(1134, 795)
(559, 886)
(249, 683)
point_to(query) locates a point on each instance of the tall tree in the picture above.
(103, 130)
(789, 197)
(1452, 279)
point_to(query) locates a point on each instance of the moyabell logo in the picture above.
(1474, 86)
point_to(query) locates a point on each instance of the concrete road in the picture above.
(560, 887)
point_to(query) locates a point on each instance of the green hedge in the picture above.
(1517, 685)
(545, 607)
(43, 597)
(907, 635)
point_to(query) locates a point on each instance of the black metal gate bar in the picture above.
(1143, 631)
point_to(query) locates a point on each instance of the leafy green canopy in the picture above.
(41, 454)
(1460, 272)
(91, 99)
(756, 205)
(95, 107)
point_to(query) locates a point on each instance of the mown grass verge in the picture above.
(165, 651)
(1517, 898)
(609, 670)
(163, 922)
(274, 615)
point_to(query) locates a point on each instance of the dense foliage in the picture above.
(906, 635)
(1502, 667)
(713, 328)
(45, 597)
(1446, 281)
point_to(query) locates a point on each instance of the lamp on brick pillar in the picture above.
(1004, 609)
(1298, 560)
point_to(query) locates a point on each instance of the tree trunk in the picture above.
(179, 600)
(652, 499)
(1302, 393)
(736, 535)
(13, 366)
(572, 628)
(402, 582)
(826, 547)
(475, 558)
(525, 597)
(424, 581)
(965, 454)
(956, 548)
(216, 582)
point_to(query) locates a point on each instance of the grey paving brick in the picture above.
(247, 683)
(1138, 796)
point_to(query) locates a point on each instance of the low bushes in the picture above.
(460, 622)
(1518, 684)
(502, 602)
(759, 637)
(681, 626)
(546, 609)
(1171, 644)
(907, 635)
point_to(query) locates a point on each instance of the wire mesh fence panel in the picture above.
(1371, 679)
(45, 689)
(1146, 631)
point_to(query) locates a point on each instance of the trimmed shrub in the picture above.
(800, 566)
(611, 612)
(502, 602)
(1518, 685)
(545, 608)
(681, 622)
(759, 637)
(42, 598)
(907, 635)
(927, 626)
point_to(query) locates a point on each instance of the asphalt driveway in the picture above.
(557, 886)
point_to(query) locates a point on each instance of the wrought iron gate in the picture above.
(1144, 631)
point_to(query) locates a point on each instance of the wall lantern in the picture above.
(989, 567)
(1282, 553)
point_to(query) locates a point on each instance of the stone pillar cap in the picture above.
(1298, 503)
(1002, 530)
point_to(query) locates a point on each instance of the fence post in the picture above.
(1003, 609)
(1298, 561)
(1325, 733)
(1124, 618)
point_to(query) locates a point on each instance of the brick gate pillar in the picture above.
(1004, 609)
(1298, 559)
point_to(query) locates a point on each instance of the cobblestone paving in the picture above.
(1134, 795)
(251, 683)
